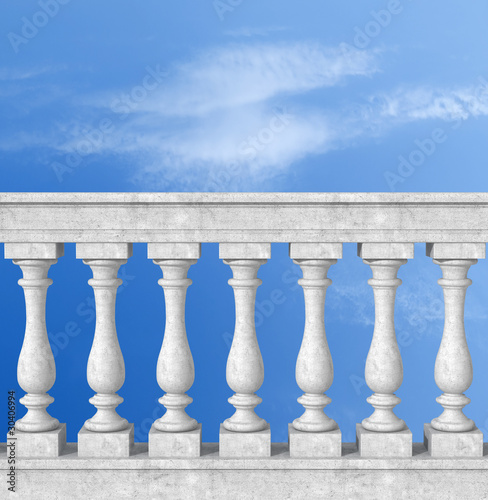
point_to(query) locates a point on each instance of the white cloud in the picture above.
(241, 74)
(425, 103)
(220, 112)
(238, 115)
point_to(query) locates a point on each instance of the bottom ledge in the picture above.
(275, 477)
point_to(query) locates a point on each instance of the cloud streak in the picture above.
(244, 112)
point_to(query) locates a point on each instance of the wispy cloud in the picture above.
(11, 75)
(430, 103)
(225, 108)
(242, 112)
(241, 74)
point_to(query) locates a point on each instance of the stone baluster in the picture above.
(314, 434)
(245, 434)
(38, 433)
(452, 434)
(106, 434)
(175, 434)
(383, 433)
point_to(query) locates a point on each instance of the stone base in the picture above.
(314, 444)
(175, 444)
(383, 444)
(39, 444)
(273, 478)
(244, 444)
(442, 444)
(105, 444)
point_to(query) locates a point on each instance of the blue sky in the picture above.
(248, 96)
(268, 97)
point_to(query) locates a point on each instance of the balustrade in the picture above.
(385, 228)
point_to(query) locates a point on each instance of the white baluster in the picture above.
(314, 368)
(175, 369)
(245, 370)
(36, 370)
(384, 369)
(105, 369)
(453, 367)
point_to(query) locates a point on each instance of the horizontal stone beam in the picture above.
(349, 476)
(244, 217)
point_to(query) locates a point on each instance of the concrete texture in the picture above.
(314, 371)
(276, 477)
(244, 371)
(386, 250)
(175, 371)
(174, 251)
(244, 444)
(383, 444)
(314, 444)
(315, 251)
(117, 444)
(244, 217)
(175, 444)
(456, 250)
(33, 250)
(441, 444)
(48, 444)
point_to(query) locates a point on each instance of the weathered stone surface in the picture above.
(244, 217)
(386, 250)
(276, 477)
(442, 444)
(175, 444)
(383, 444)
(117, 444)
(315, 250)
(244, 444)
(456, 250)
(314, 444)
(47, 444)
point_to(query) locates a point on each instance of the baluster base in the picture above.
(245, 419)
(442, 444)
(383, 444)
(383, 419)
(118, 444)
(49, 444)
(186, 444)
(244, 444)
(314, 419)
(314, 444)
(452, 418)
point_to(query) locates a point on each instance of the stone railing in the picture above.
(452, 461)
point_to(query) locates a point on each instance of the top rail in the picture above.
(244, 217)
